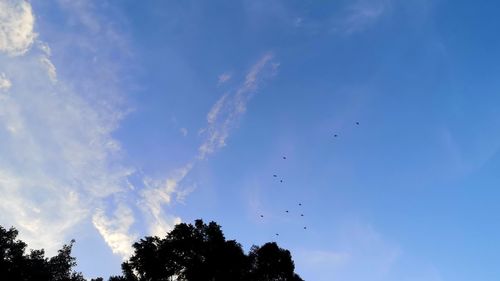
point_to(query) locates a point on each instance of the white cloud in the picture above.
(115, 230)
(158, 194)
(57, 156)
(5, 83)
(16, 27)
(42, 214)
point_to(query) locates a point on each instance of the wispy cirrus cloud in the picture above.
(221, 119)
(226, 112)
(350, 18)
(58, 158)
(157, 194)
(60, 165)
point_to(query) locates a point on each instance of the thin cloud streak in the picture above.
(227, 111)
(221, 119)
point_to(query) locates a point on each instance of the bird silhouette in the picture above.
(301, 215)
(300, 204)
(277, 234)
(286, 211)
(281, 180)
(305, 227)
(284, 157)
(335, 135)
(357, 123)
(275, 176)
(261, 216)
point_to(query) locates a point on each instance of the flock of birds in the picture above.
(287, 211)
(336, 135)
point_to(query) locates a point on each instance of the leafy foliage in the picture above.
(15, 264)
(270, 262)
(198, 252)
(201, 252)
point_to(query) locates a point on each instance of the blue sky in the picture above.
(119, 119)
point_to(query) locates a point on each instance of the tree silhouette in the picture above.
(16, 265)
(200, 252)
(271, 262)
(188, 252)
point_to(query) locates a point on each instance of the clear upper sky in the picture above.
(119, 119)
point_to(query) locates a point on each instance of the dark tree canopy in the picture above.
(198, 252)
(16, 264)
(270, 262)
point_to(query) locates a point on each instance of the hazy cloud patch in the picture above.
(357, 252)
(223, 78)
(362, 14)
(58, 161)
